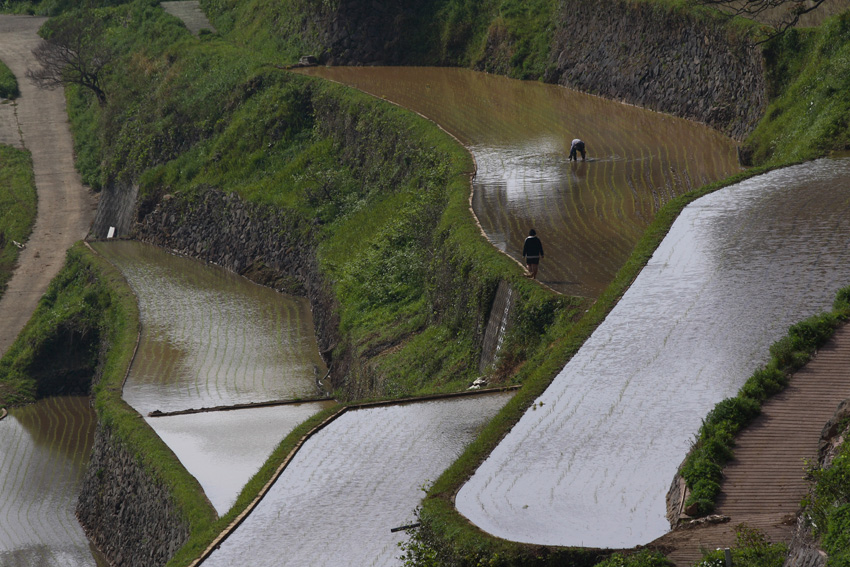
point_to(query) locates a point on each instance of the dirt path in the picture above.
(65, 207)
(763, 486)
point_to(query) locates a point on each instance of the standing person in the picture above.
(577, 146)
(532, 251)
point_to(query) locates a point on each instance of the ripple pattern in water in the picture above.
(210, 337)
(44, 450)
(354, 481)
(592, 465)
(224, 449)
(589, 215)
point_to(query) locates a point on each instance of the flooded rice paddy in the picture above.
(45, 450)
(588, 214)
(354, 481)
(591, 464)
(224, 449)
(210, 337)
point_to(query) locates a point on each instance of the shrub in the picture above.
(8, 83)
(751, 549)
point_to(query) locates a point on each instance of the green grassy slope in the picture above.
(17, 207)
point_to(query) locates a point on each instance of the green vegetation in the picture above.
(48, 7)
(827, 509)
(751, 549)
(17, 207)
(809, 90)
(713, 448)
(8, 83)
(642, 558)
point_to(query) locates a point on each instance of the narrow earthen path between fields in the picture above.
(764, 485)
(65, 207)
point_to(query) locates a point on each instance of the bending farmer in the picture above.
(532, 251)
(577, 146)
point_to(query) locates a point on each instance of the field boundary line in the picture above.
(228, 531)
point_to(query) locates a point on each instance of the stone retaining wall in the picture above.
(636, 52)
(644, 54)
(129, 516)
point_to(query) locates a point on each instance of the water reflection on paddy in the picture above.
(210, 337)
(588, 214)
(44, 450)
(354, 481)
(224, 449)
(593, 464)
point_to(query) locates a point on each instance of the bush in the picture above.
(752, 549)
(8, 83)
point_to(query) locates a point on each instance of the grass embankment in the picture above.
(18, 202)
(90, 297)
(47, 7)
(809, 90)
(827, 509)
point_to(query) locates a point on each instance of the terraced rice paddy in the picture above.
(354, 481)
(591, 464)
(212, 338)
(224, 449)
(45, 449)
(588, 214)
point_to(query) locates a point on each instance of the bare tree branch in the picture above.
(74, 53)
(780, 15)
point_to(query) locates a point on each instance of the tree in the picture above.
(75, 52)
(780, 15)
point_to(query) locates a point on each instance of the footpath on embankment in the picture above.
(65, 206)
(766, 482)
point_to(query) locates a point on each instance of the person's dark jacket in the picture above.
(532, 248)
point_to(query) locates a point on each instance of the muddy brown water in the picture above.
(353, 482)
(210, 337)
(224, 449)
(588, 214)
(44, 450)
(591, 463)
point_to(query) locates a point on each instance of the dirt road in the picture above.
(65, 207)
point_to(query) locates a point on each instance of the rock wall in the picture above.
(129, 516)
(116, 208)
(255, 241)
(645, 54)
(636, 52)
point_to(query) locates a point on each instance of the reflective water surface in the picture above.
(353, 482)
(224, 449)
(588, 214)
(44, 450)
(210, 337)
(592, 463)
